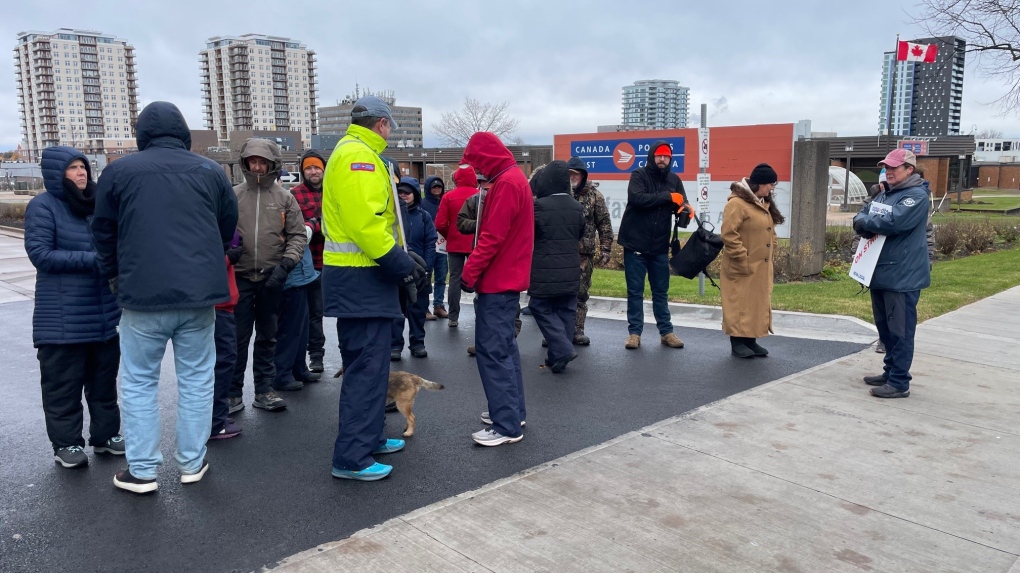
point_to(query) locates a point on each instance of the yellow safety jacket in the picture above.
(359, 220)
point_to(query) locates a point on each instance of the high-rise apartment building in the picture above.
(926, 99)
(261, 83)
(656, 104)
(335, 119)
(77, 88)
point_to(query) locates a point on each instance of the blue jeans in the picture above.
(635, 266)
(143, 338)
(896, 321)
(440, 268)
(499, 361)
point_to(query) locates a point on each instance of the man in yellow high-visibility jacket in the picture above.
(364, 267)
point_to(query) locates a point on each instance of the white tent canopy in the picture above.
(837, 181)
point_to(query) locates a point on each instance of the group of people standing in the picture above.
(164, 248)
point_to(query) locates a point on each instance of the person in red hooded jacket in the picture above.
(458, 245)
(499, 269)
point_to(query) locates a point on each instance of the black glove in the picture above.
(465, 288)
(113, 285)
(417, 278)
(234, 253)
(279, 276)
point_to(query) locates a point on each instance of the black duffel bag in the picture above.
(697, 253)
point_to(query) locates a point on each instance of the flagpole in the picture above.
(892, 93)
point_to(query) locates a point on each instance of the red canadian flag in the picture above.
(911, 52)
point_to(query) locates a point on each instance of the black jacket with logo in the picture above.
(648, 219)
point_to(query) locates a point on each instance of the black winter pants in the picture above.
(258, 308)
(66, 371)
(316, 338)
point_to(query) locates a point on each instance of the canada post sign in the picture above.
(614, 156)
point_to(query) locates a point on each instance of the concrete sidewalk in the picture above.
(807, 474)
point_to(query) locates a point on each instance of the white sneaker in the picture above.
(197, 476)
(490, 437)
(488, 421)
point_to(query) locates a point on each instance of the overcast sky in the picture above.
(560, 65)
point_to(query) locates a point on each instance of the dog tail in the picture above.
(430, 385)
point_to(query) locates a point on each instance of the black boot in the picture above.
(758, 350)
(740, 349)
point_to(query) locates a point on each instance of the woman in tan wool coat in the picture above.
(749, 239)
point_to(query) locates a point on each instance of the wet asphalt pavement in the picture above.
(269, 493)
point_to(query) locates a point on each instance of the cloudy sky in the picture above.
(560, 65)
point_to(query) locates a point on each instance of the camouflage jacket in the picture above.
(596, 217)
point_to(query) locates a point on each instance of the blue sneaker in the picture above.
(373, 472)
(389, 447)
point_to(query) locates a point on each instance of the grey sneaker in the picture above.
(71, 457)
(269, 401)
(235, 405)
(490, 437)
(487, 420)
(114, 445)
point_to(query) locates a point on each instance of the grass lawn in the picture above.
(954, 284)
(992, 204)
(986, 191)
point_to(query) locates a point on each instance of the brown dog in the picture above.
(403, 387)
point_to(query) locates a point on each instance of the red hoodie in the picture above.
(232, 285)
(449, 207)
(501, 261)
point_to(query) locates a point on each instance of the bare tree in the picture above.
(988, 134)
(455, 128)
(992, 31)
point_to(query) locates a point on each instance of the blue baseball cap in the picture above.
(374, 107)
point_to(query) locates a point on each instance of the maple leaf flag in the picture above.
(911, 52)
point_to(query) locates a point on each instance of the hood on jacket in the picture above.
(306, 155)
(54, 163)
(269, 150)
(162, 119)
(552, 179)
(486, 153)
(651, 159)
(577, 164)
(742, 190)
(413, 184)
(465, 177)
(427, 189)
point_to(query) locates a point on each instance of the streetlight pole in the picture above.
(846, 184)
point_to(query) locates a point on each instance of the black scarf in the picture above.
(81, 201)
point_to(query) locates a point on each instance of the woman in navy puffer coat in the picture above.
(74, 326)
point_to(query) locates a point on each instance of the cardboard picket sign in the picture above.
(440, 244)
(866, 258)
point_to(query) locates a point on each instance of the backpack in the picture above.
(697, 253)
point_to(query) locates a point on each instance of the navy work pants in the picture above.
(415, 314)
(499, 362)
(225, 335)
(365, 349)
(316, 338)
(896, 320)
(291, 337)
(556, 317)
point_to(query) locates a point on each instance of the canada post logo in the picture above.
(624, 155)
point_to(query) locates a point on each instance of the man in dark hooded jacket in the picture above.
(596, 220)
(309, 198)
(420, 234)
(653, 196)
(556, 262)
(435, 188)
(164, 218)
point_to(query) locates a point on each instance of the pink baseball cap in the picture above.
(898, 157)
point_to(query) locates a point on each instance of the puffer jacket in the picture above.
(420, 232)
(302, 274)
(648, 218)
(903, 264)
(559, 225)
(163, 218)
(429, 201)
(73, 303)
(268, 217)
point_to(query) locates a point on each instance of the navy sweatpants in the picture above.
(291, 336)
(556, 317)
(499, 362)
(365, 349)
(896, 320)
(226, 355)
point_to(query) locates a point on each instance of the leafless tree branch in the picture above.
(455, 128)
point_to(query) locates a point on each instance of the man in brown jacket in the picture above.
(273, 233)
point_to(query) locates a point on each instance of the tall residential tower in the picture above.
(927, 98)
(77, 88)
(655, 104)
(261, 83)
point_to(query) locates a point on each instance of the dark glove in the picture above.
(279, 276)
(683, 216)
(465, 288)
(416, 279)
(113, 285)
(234, 254)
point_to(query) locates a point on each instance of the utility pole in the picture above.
(703, 215)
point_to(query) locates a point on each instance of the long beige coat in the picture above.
(745, 279)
